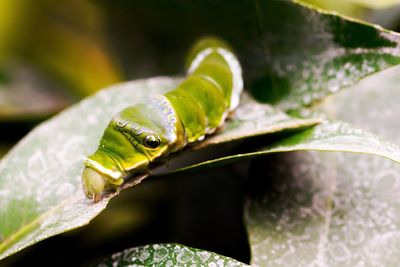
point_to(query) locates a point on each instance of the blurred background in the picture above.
(54, 54)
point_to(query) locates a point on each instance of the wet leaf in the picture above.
(321, 55)
(292, 55)
(253, 119)
(327, 136)
(46, 165)
(167, 255)
(332, 209)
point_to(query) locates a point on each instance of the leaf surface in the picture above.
(332, 209)
(168, 255)
(292, 54)
(40, 179)
(328, 136)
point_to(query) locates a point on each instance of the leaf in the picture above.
(292, 54)
(322, 54)
(167, 255)
(46, 165)
(332, 209)
(253, 119)
(316, 209)
(40, 184)
(327, 136)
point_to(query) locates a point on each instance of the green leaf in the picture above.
(315, 53)
(327, 136)
(167, 255)
(253, 119)
(40, 179)
(292, 54)
(40, 185)
(332, 209)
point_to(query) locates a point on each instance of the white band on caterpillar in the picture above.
(198, 59)
(237, 80)
(115, 175)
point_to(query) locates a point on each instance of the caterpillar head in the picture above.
(129, 143)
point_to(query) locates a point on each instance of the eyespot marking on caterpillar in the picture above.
(152, 141)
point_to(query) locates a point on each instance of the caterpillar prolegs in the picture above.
(164, 124)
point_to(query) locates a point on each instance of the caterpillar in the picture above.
(164, 124)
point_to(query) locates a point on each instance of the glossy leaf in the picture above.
(327, 136)
(252, 119)
(332, 209)
(167, 255)
(325, 53)
(47, 164)
(292, 54)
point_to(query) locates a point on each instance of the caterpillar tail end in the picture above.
(93, 183)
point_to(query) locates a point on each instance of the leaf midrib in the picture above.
(22, 231)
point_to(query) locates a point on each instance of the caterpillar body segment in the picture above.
(164, 124)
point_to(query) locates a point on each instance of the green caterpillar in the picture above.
(164, 124)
